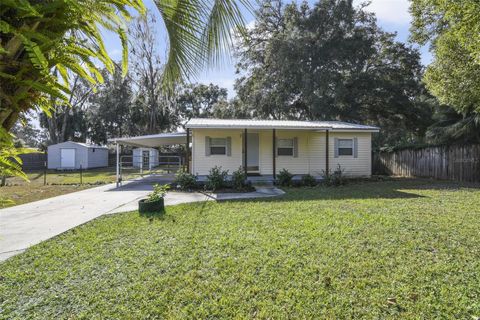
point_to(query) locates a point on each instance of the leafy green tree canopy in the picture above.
(331, 62)
(200, 100)
(452, 28)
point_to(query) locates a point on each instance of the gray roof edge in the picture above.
(83, 144)
(326, 125)
(158, 135)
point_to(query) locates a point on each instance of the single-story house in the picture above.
(265, 147)
(73, 155)
(268, 146)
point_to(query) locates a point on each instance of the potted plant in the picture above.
(154, 202)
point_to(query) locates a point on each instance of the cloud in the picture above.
(389, 11)
(115, 53)
(251, 25)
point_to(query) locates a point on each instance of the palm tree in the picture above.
(453, 127)
(44, 42)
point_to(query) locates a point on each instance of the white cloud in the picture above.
(389, 11)
(251, 25)
(115, 53)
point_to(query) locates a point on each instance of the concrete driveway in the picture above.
(28, 224)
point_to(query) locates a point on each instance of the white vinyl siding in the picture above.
(310, 157)
(202, 163)
(353, 166)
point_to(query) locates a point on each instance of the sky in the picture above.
(392, 15)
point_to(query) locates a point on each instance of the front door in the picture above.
(252, 152)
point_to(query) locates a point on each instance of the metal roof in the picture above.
(201, 123)
(83, 144)
(153, 140)
(87, 145)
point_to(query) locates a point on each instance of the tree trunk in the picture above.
(63, 137)
(8, 118)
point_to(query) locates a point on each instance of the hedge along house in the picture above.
(265, 147)
(71, 155)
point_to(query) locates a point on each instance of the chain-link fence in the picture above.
(131, 167)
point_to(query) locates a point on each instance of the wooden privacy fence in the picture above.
(33, 161)
(460, 163)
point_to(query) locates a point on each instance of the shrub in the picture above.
(159, 192)
(284, 178)
(239, 179)
(337, 178)
(309, 181)
(185, 181)
(216, 178)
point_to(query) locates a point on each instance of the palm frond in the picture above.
(61, 34)
(10, 162)
(199, 33)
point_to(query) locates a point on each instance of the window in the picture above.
(285, 147)
(345, 147)
(218, 146)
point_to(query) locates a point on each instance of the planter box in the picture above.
(145, 206)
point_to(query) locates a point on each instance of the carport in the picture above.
(151, 141)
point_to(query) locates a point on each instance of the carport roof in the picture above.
(153, 140)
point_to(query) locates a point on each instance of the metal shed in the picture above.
(145, 158)
(76, 155)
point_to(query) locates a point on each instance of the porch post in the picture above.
(118, 163)
(245, 150)
(327, 165)
(274, 142)
(187, 154)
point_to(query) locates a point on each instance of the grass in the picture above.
(394, 249)
(57, 183)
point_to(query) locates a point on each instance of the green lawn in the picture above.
(394, 249)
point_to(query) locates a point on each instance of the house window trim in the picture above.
(212, 145)
(352, 147)
(279, 147)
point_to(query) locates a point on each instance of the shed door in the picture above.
(67, 158)
(146, 159)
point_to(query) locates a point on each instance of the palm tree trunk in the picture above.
(8, 117)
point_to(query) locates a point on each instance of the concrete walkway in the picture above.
(28, 224)
(260, 192)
